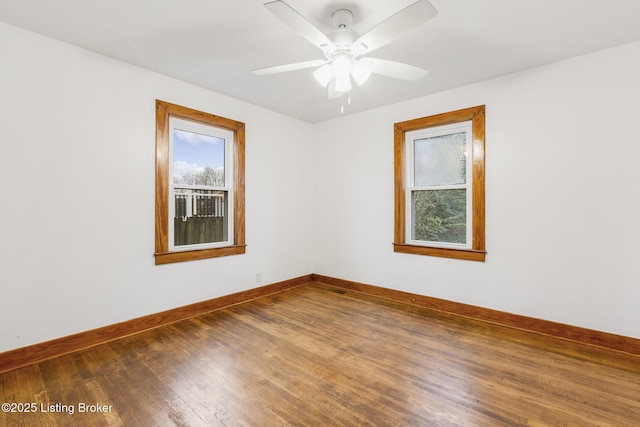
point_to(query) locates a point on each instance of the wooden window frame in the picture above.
(477, 117)
(165, 110)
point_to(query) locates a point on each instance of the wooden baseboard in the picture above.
(529, 324)
(19, 357)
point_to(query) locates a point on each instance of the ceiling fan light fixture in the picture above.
(360, 72)
(323, 75)
(341, 65)
(343, 83)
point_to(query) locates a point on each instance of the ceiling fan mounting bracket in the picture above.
(342, 18)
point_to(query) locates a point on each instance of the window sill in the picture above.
(179, 256)
(464, 254)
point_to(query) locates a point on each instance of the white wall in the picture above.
(77, 156)
(562, 204)
(77, 147)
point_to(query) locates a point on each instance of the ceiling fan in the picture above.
(343, 48)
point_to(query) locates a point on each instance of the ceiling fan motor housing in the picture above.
(343, 38)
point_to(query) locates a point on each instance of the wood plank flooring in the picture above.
(321, 356)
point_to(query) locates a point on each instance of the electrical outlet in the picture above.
(258, 277)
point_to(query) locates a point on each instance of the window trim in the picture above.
(477, 117)
(165, 110)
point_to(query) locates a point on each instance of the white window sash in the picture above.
(410, 138)
(227, 136)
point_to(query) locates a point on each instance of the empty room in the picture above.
(319, 213)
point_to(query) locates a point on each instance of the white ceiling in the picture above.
(215, 43)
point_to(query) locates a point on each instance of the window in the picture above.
(439, 185)
(199, 185)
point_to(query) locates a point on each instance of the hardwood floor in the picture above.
(321, 356)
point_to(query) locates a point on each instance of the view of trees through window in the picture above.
(207, 176)
(440, 215)
(439, 196)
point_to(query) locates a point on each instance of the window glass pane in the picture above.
(197, 159)
(200, 216)
(439, 216)
(440, 160)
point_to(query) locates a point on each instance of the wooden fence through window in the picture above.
(199, 217)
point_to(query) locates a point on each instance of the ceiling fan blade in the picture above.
(397, 70)
(396, 26)
(298, 23)
(288, 67)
